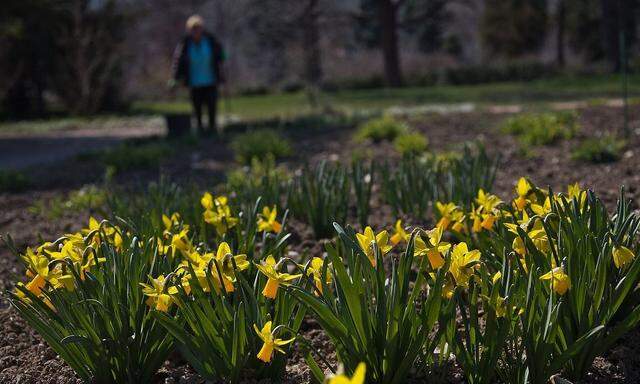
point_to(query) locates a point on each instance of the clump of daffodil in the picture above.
(451, 216)
(159, 295)
(275, 279)
(315, 270)
(367, 240)
(358, 377)
(434, 249)
(267, 220)
(270, 342)
(560, 281)
(218, 213)
(219, 266)
(463, 265)
(536, 233)
(112, 233)
(487, 212)
(622, 256)
(399, 235)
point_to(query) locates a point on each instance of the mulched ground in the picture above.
(24, 358)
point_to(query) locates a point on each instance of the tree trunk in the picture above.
(311, 45)
(561, 17)
(610, 32)
(388, 14)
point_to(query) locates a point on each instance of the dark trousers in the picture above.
(209, 96)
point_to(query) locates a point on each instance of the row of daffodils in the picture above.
(506, 291)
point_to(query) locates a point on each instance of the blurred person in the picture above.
(197, 62)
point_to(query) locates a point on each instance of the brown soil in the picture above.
(24, 358)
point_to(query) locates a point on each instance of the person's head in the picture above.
(195, 26)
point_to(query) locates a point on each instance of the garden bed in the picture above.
(24, 357)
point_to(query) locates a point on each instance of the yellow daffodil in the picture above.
(207, 201)
(271, 343)
(487, 202)
(181, 242)
(449, 214)
(170, 222)
(399, 235)
(274, 278)
(574, 192)
(523, 188)
(560, 282)
(267, 220)
(542, 210)
(435, 249)
(622, 256)
(463, 264)
(358, 376)
(315, 269)
(159, 298)
(367, 239)
(218, 213)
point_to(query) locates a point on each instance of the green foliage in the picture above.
(13, 181)
(101, 325)
(542, 129)
(260, 144)
(320, 195)
(260, 179)
(363, 177)
(411, 143)
(410, 186)
(131, 156)
(373, 314)
(599, 150)
(91, 198)
(379, 129)
(414, 183)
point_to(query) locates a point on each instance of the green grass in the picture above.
(285, 105)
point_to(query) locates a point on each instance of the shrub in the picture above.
(260, 144)
(411, 143)
(542, 129)
(383, 128)
(13, 181)
(599, 150)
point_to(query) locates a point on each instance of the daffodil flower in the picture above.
(622, 256)
(560, 282)
(218, 213)
(357, 378)
(487, 201)
(400, 235)
(523, 188)
(271, 343)
(463, 264)
(368, 238)
(267, 220)
(315, 270)
(274, 278)
(449, 214)
(170, 222)
(159, 297)
(435, 249)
